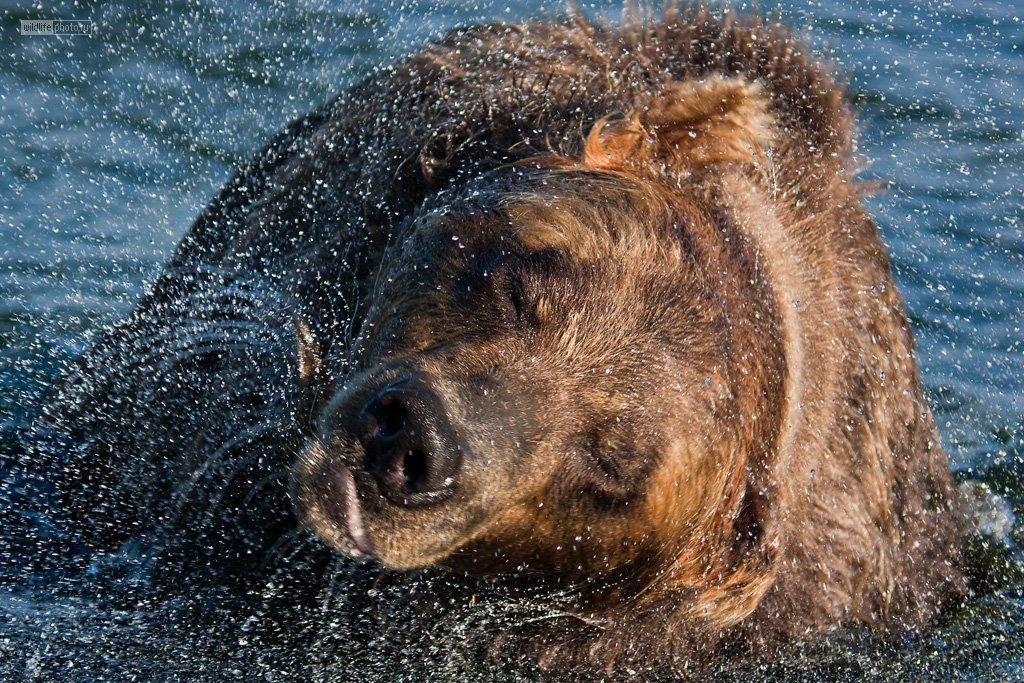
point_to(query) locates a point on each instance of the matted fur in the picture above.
(735, 451)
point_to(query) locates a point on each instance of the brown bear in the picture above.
(587, 309)
(654, 336)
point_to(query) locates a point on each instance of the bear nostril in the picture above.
(390, 415)
(414, 470)
(410, 446)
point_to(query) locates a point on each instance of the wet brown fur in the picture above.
(798, 483)
(723, 402)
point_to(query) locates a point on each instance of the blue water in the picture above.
(111, 144)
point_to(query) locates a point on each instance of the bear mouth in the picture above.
(351, 514)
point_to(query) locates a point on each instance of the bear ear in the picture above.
(686, 127)
(310, 374)
(308, 350)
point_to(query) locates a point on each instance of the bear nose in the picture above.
(411, 448)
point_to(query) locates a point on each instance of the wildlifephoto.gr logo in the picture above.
(56, 27)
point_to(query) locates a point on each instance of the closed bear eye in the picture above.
(521, 308)
(612, 465)
(494, 297)
(513, 299)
